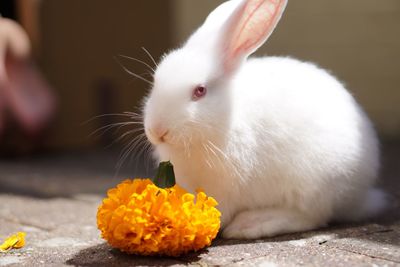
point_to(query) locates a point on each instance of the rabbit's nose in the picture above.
(159, 132)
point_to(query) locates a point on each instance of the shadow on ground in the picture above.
(103, 255)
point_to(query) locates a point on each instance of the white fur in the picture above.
(281, 144)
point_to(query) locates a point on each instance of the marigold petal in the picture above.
(13, 242)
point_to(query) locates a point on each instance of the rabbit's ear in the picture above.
(247, 29)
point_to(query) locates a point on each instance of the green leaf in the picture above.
(165, 177)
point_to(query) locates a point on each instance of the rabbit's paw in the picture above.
(246, 225)
(254, 224)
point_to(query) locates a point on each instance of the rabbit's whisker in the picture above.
(125, 135)
(140, 61)
(105, 115)
(108, 127)
(150, 56)
(132, 73)
(132, 145)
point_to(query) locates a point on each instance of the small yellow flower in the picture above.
(140, 218)
(15, 241)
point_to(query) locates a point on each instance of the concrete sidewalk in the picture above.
(54, 200)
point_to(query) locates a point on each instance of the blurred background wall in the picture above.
(358, 40)
(80, 42)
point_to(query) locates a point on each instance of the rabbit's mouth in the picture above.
(157, 136)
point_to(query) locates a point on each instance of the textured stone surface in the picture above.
(54, 200)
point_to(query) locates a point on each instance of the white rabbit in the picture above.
(280, 144)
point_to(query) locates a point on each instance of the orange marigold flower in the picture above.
(140, 218)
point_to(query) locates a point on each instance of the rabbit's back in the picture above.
(305, 132)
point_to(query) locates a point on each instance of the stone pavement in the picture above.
(54, 200)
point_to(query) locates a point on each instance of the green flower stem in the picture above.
(165, 177)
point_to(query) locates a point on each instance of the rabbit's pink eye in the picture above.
(199, 92)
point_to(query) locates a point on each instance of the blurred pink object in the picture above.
(23, 90)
